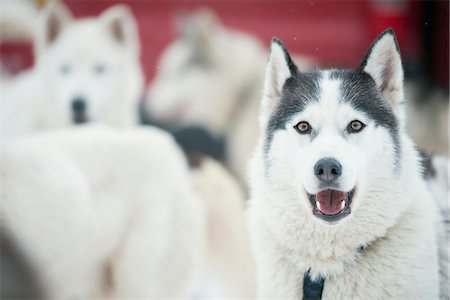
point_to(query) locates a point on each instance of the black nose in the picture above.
(328, 169)
(79, 105)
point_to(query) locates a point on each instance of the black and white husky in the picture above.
(339, 208)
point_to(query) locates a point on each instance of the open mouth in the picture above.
(331, 205)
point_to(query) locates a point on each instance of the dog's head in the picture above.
(331, 138)
(88, 64)
(203, 74)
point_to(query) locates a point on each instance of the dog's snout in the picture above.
(78, 105)
(79, 110)
(328, 169)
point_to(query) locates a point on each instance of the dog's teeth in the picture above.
(318, 204)
(342, 204)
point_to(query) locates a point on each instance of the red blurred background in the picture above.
(335, 33)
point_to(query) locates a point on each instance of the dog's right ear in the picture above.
(280, 68)
(52, 21)
(198, 27)
(120, 23)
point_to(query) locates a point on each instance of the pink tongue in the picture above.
(330, 201)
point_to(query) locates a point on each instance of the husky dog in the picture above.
(85, 70)
(339, 208)
(217, 73)
(102, 213)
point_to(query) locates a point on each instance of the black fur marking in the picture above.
(369, 52)
(360, 249)
(314, 133)
(426, 159)
(359, 89)
(299, 90)
(291, 65)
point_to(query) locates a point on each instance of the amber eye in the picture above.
(355, 126)
(303, 127)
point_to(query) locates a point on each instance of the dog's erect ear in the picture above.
(384, 65)
(120, 23)
(198, 28)
(280, 67)
(52, 21)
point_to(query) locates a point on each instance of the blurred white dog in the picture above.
(217, 73)
(120, 221)
(85, 70)
(88, 70)
(128, 219)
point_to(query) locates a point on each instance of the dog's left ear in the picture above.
(383, 63)
(120, 22)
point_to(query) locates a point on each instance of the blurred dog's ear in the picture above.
(120, 23)
(280, 68)
(198, 27)
(383, 63)
(52, 20)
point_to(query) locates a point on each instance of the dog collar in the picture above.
(312, 289)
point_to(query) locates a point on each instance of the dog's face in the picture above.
(191, 87)
(84, 62)
(332, 137)
(202, 74)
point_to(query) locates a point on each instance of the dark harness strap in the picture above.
(312, 289)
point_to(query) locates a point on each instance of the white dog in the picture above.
(103, 213)
(339, 208)
(218, 75)
(218, 78)
(97, 59)
(85, 70)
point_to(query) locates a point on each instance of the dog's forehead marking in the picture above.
(329, 94)
(323, 113)
(298, 90)
(330, 89)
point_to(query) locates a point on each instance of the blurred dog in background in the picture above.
(85, 70)
(88, 71)
(217, 75)
(103, 213)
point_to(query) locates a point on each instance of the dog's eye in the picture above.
(99, 69)
(355, 126)
(303, 127)
(65, 69)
